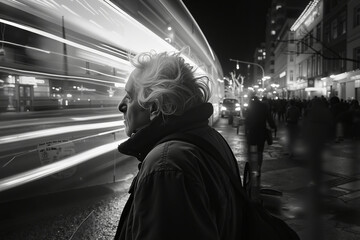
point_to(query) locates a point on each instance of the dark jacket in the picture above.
(292, 114)
(180, 191)
(257, 118)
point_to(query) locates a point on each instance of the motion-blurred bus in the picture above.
(63, 68)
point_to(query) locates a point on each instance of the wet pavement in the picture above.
(330, 210)
(93, 213)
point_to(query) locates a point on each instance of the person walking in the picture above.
(292, 119)
(179, 192)
(355, 119)
(257, 119)
(338, 112)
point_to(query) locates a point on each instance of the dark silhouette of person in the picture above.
(338, 112)
(316, 125)
(256, 121)
(292, 119)
(354, 111)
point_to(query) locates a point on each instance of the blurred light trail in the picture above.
(44, 171)
(56, 131)
(95, 117)
(25, 46)
(59, 75)
(66, 41)
(73, 140)
(23, 123)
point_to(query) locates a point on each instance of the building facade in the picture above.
(334, 36)
(278, 13)
(342, 74)
(259, 58)
(326, 47)
(284, 69)
(353, 44)
(309, 53)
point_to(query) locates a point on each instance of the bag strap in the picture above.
(212, 151)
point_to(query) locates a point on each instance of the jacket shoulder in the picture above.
(173, 155)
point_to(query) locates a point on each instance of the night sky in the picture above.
(233, 28)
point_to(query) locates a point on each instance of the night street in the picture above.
(340, 190)
(94, 212)
(90, 89)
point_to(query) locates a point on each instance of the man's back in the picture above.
(292, 114)
(256, 121)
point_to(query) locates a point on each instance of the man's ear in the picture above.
(152, 115)
(153, 111)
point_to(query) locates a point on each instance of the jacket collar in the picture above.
(141, 143)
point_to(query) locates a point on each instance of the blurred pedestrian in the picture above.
(338, 113)
(316, 125)
(292, 120)
(179, 192)
(355, 119)
(256, 122)
(282, 109)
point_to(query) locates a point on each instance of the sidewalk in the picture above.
(339, 215)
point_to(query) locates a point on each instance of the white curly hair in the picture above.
(167, 84)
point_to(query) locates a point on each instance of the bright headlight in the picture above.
(223, 108)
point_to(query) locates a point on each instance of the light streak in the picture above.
(59, 75)
(56, 131)
(72, 141)
(94, 117)
(24, 46)
(62, 40)
(47, 170)
(71, 11)
(103, 74)
(86, 2)
(79, 1)
(95, 23)
(23, 123)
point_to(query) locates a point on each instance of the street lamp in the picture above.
(264, 78)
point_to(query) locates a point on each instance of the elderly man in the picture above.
(180, 192)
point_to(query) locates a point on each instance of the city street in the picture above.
(69, 97)
(340, 190)
(93, 212)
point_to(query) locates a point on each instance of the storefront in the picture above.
(345, 85)
(23, 93)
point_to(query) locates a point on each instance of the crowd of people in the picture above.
(344, 120)
(317, 121)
